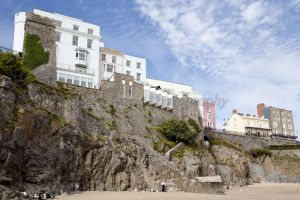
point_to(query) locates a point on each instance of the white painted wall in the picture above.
(174, 88)
(19, 31)
(65, 50)
(133, 67)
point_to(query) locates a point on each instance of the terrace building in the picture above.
(77, 48)
(280, 120)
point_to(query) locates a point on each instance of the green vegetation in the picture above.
(67, 92)
(111, 110)
(284, 147)
(177, 130)
(149, 114)
(260, 152)
(99, 119)
(112, 125)
(193, 125)
(34, 54)
(225, 143)
(179, 153)
(88, 136)
(11, 66)
(101, 139)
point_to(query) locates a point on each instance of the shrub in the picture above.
(34, 54)
(177, 131)
(11, 66)
(260, 152)
(192, 123)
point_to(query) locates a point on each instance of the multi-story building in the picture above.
(242, 124)
(136, 67)
(111, 61)
(77, 48)
(209, 115)
(280, 120)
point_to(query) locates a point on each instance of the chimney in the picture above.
(234, 111)
(260, 109)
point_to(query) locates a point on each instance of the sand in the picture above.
(272, 191)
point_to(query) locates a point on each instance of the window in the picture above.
(57, 23)
(275, 124)
(82, 55)
(90, 31)
(57, 36)
(103, 57)
(69, 79)
(283, 125)
(114, 59)
(89, 43)
(128, 63)
(209, 109)
(290, 126)
(75, 27)
(130, 89)
(109, 68)
(128, 72)
(75, 40)
(138, 65)
(83, 83)
(76, 80)
(124, 88)
(61, 77)
(209, 116)
(138, 76)
(90, 84)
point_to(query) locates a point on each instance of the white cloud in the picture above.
(253, 12)
(250, 47)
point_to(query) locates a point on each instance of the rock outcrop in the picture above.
(63, 141)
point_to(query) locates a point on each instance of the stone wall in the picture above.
(249, 141)
(106, 111)
(45, 29)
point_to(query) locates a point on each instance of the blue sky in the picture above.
(246, 51)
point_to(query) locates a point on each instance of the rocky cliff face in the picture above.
(61, 141)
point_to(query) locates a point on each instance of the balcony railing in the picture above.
(71, 68)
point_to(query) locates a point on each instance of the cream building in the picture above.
(111, 61)
(243, 124)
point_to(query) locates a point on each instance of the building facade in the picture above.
(77, 48)
(111, 61)
(209, 115)
(280, 120)
(136, 67)
(243, 124)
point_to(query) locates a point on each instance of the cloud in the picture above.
(253, 12)
(250, 50)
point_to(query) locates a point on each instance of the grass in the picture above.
(224, 143)
(112, 125)
(67, 93)
(101, 139)
(99, 119)
(284, 147)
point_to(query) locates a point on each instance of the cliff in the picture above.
(68, 138)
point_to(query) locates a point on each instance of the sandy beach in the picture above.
(273, 191)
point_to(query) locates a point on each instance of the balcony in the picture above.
(81, 64)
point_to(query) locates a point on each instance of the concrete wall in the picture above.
(45, 29)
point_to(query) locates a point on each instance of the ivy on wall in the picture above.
(34, 53)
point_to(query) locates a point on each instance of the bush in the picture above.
(177, 131)
(192, 123)
(34, 54)
(260, 152)
(11, 66)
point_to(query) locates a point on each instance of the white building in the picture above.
(77, 48)
(241, 124)
(135, 67)
(111, 61)
(170, 89)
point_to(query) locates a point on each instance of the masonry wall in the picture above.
(249, 142)
(45, 29)
(105, 111)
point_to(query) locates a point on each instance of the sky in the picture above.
(243, 52)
